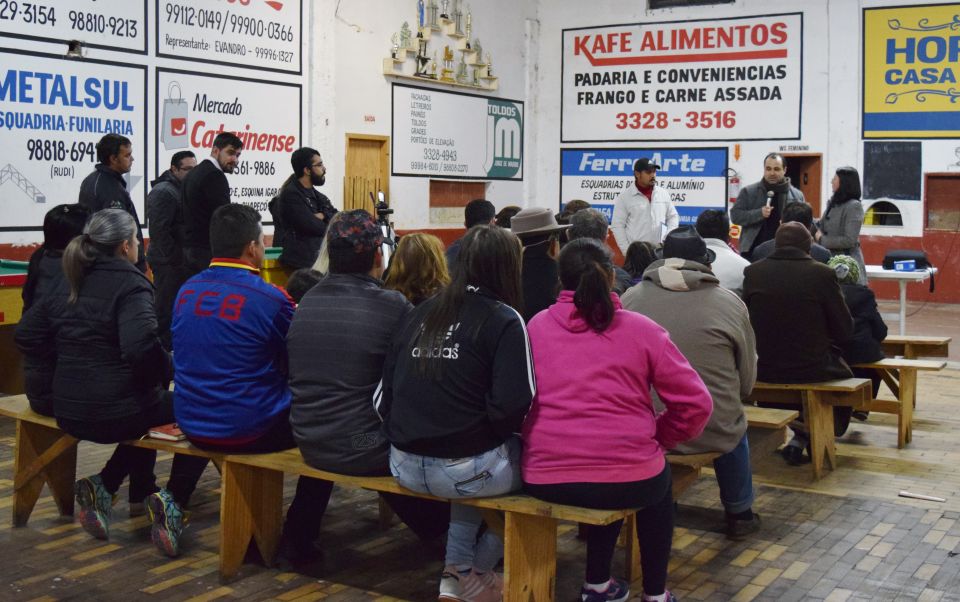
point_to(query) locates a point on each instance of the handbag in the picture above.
(920, 259)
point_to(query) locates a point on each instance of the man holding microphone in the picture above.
(759, 206)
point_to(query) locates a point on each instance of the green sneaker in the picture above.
(168, 520)
(96, 506)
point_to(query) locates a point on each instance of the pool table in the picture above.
(12, 276)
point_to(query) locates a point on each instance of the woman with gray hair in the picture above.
(99, 327)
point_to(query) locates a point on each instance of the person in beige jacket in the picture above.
(720, 345)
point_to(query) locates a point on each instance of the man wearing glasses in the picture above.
(303, 212)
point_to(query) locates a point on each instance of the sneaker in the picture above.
(738, 529)
(470, 587)
(96, 506)
(618, 590)
(168, 520)
(670, 597)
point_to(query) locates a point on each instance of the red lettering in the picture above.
(182, 299)
(197, 307)
(231, 307)
(580, 44)
(778, 33)
(759, 35)
(598, 47)
(625, 40)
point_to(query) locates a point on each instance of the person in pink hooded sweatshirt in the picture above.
(592, 437)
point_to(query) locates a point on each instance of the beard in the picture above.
(318, 180)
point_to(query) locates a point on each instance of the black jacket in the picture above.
(302, 232)
(109, 362)
(484, 390)
(541, 283)
(165, 221)
(336, 347)
(106, 189)
(799, 317)
(766, 249)
(43, 277)
(868, 327)
(205, 189)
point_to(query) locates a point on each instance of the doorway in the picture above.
(805, 171)
(366, 171)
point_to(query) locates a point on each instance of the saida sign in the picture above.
(910, 58)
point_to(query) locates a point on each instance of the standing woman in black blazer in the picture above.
(99, 328)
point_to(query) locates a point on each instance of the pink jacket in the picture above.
(593, 420)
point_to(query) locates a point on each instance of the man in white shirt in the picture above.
(714, 227)
(643, 211)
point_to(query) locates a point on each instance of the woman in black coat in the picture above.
(99, 328)
(869, 330)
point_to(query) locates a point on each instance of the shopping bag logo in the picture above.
(173, 134)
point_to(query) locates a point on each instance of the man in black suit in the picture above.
(204, 190)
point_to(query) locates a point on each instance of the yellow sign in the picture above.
(911, 62)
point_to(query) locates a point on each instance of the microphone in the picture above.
(769, 197)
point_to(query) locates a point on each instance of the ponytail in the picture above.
(585, 268)
(592, 298)
(105, 231)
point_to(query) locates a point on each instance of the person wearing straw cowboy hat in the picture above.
(539, 231)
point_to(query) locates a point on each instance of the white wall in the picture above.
(347, 85)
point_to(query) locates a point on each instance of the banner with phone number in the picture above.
(265, 35)
(192, 108)
(109, 24)
(53, 112)
(724, 79)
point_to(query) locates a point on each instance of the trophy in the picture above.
(462, 71)
(489, 65)
(432, 14)
(476, 77)
(469, 26)
(395, 38)
(446, 74)
(479, 49)
(433, 66)
(458, 19)
(405, 36)
(443, 11)
(422, 59)
(420, 13)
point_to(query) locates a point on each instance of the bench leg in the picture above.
(819, 419)
(908, 398)
(251, 508)
(530, 558)
(42, 455)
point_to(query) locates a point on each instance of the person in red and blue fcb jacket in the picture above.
(230, 369)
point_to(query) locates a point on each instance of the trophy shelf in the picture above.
(490, 83)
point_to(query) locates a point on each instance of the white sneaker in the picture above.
(472, 587)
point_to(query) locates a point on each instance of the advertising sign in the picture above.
(694, 177)
(192, 108)
(910, 57)
(724, 79)
(265, 35)
(53, 111)
(107, 24)
(454, 135)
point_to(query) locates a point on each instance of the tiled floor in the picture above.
(848, 536)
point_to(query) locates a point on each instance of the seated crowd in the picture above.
(461, 375)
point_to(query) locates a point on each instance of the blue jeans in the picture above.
(734, 476)
(491, 473)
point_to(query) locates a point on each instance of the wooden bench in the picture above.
(251, 501)
(900, 375)
(817, 401)
(767, 428)
(913, 347)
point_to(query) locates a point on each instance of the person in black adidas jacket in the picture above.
(457, 384)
